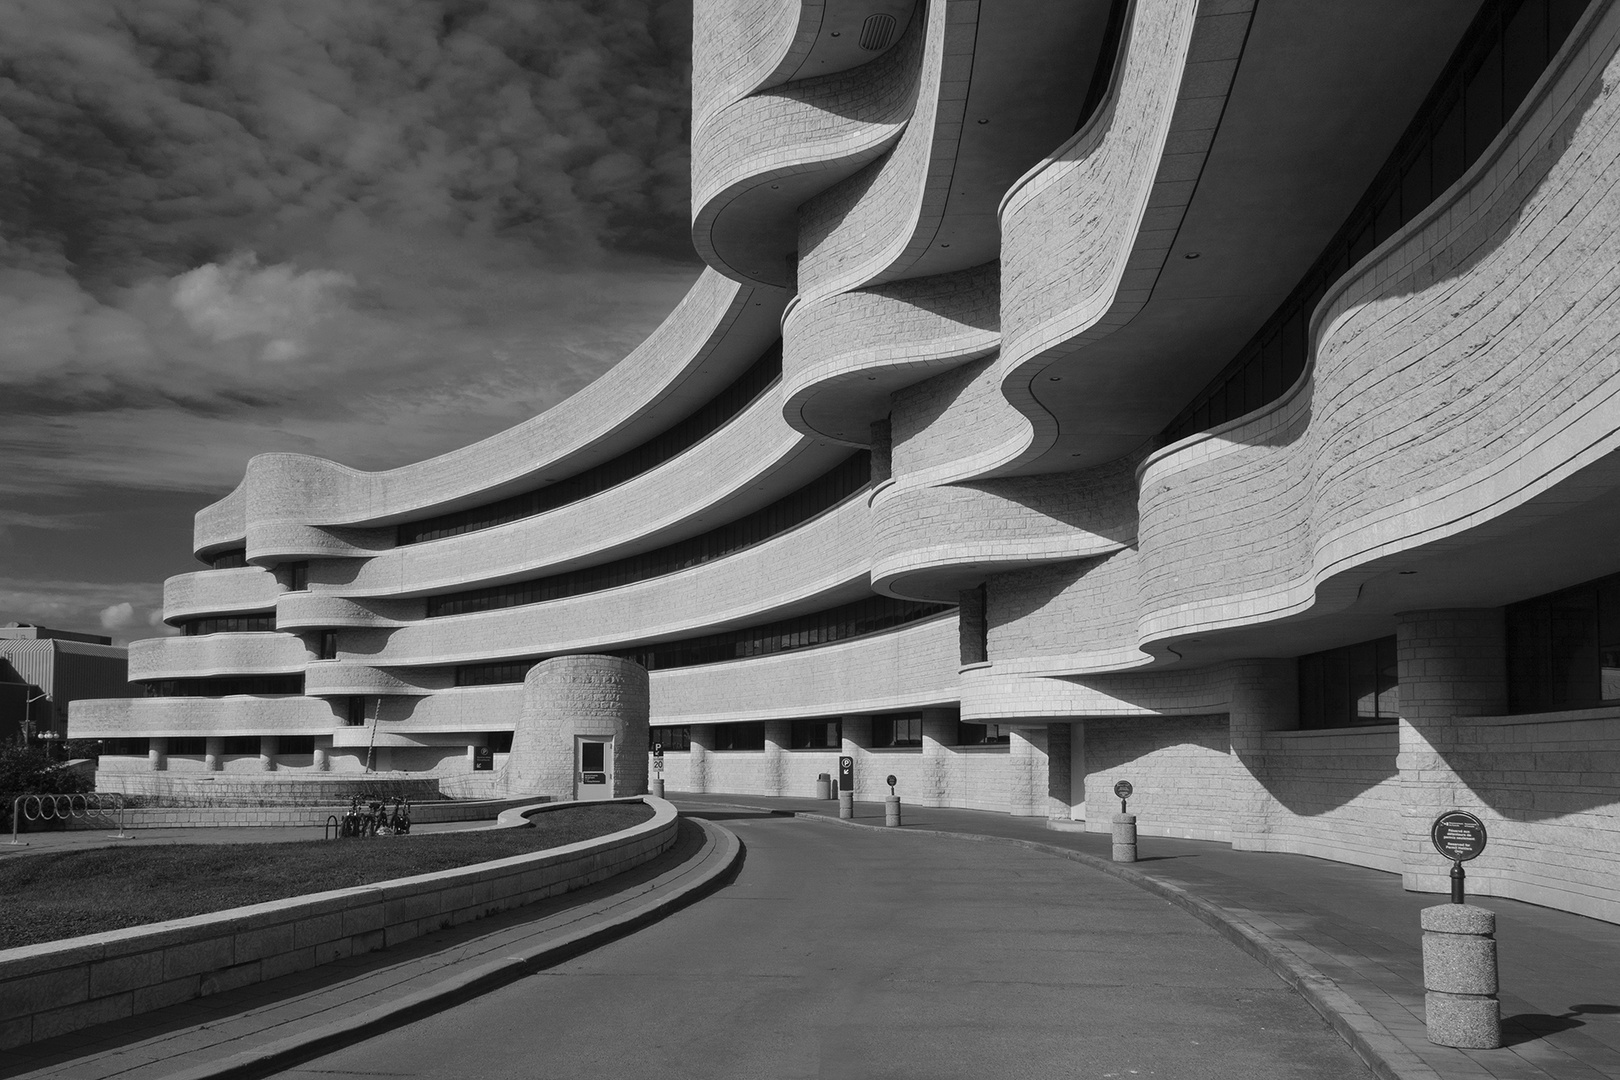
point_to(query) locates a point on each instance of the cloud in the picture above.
(124, 610)
(372, 231)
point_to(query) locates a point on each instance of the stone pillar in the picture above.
(267, 753)
(323, 758)
(157, 753)
(1077, 771)
(697, 758)
(1262, 696)
(1459, 976)
(773, 770)
(938, 736)
(579, 695)
(1453, 667)
(1058, 780)
(857, 741)
(213, 753)
(1027, 771)
(472, 756)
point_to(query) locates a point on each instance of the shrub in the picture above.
(28, 770)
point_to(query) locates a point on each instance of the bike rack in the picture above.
(64, 808)
(334, 828)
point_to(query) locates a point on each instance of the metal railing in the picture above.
(81, 806)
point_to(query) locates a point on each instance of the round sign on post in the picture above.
(891, 781)
(1459, 836)
(1123, 789)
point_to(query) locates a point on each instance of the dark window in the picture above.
(816, 735)
(293, 745)
(188, 745)
(298, 576)
(1498, 60)
(661, 448)
(832, 488)
(870, 616)
(240, 745)
(896, 731)
(225, 685)
(973, 626)
(673, 739)
(126, 747)
(261, 623)
(1349, 687)
(510, 671)
(354, 713)
(981, 735)
(746, 736)
(228, 560)
(1563, 649)
(329, 644)
(499, 742)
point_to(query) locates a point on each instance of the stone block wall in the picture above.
(1180, 767)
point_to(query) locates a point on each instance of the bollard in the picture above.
(1124, 837)
(891, 809)
(846, 804)
(824, 786)
(1459, 973)
(658, 788)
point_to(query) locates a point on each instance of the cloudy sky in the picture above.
(370, 230)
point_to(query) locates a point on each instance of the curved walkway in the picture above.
(865, 954)
(1346, 937)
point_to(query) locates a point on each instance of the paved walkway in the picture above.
(251, 1031)
(1347, 938)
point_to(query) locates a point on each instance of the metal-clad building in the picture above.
(42, 670)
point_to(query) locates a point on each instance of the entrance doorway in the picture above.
(593, 771)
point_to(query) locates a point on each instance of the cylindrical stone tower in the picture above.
(569, 697)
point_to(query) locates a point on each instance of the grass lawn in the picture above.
(61, 895)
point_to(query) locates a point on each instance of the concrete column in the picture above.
(213, 753)
(157, 753)
(1077, 771)
(938, 736)
(1262, 697)
(323, 757)
(697, 780)
(267, 753)
(1058, 779)
(773, 770)
(857, 741)
(1027, 771)
(1453, 667)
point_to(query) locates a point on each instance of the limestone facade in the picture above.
(1016, 256)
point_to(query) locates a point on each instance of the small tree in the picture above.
(28, 770)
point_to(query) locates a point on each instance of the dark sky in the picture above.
(370, 230)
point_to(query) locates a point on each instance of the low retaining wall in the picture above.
(62, 986)
(206, 817)
(265, 789)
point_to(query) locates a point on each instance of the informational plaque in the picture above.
(483, 759)
(846, 774)
(1123, 789)
(1458, 835)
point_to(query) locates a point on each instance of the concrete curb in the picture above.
(1378, 1048)
(279, 1055)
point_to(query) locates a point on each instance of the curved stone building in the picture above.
(1215, 394)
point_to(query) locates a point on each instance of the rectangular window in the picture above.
(126, 747)
(294, 745)
(1353, 686)
(329, 644)
(896, 731)
(746, 736)
(674, 739)
(1563, 649)
(816, 735)
(240, 744)
(298, 576)
(981, 735)
(355, 713)
(188, 745)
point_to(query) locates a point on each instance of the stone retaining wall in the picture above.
(62, 986)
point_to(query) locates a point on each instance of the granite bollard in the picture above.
(1459, 975)
(1124, 837)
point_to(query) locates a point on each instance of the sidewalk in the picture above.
(264, 1028)
(1346, 937)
